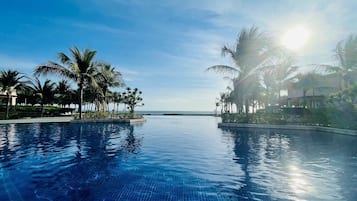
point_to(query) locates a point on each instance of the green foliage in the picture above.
(234, 118)
(64, 95)
(79, 69)
(132, 98)
(19, 111)
(338, 117)
(10, 80)
(253, 55)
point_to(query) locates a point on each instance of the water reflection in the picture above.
(65, 162)
(294, 165)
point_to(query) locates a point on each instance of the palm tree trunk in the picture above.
(304, 98)
(80, 100)
(313, 98)
(7, 106)
(246, 107)
(41, 109)
(279, 96)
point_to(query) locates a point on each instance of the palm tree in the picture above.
(92, 96)
(10, 80)
(25, 96)
(79, 69)
(107, 77)
(346, 54)
(277, 77)
(45, 93)
(63, 93)
(251, 54)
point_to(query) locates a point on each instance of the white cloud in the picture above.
(17, 63)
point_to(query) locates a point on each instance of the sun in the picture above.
(295, 38)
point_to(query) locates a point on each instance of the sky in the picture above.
(164, 47)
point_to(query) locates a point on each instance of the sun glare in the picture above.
(295, 38)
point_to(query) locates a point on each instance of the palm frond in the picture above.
(65, 59)
(225, 50)
(327, 68)
(223, 69)
(56, 69)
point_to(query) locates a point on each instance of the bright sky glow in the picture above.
(295, 38)
(163, 47)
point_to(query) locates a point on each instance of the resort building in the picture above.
(320, 87)
(13, 96)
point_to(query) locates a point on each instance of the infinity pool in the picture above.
(173, 158)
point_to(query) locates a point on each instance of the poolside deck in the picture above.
(64, 119)
(68, 119)
(290, 127)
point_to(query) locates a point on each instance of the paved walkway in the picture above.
(68, 119)
(38, 120)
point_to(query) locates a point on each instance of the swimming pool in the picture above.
(173, 158)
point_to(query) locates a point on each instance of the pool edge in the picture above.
(290, 127)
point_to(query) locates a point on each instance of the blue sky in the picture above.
(163, 47)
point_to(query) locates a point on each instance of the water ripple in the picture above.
(174, 158)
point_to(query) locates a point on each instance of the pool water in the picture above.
(173, 158)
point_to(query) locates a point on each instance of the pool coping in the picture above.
(130, 121)
(69, 119)
(290, 127)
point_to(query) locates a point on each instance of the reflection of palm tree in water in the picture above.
(68, 160)
(81, 155)
(132, 144)
(243, 149)
(5, 151)
(100, 148)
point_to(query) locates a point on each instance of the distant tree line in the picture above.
(95, 81)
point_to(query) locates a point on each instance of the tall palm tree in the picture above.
(108, 77)
(346, 55)
(251, 54)
(79, 69)
(10, 80)
(44, 93)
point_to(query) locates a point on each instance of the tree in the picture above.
(107, 76)
(117, 99)
(44, 93)
(250, 55)
(346, 55)
(79, 69)
(132, 99)
(276, 78)
(347, 96)
(10, 80)
(64, 93)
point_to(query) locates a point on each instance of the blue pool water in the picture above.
(173, 158)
